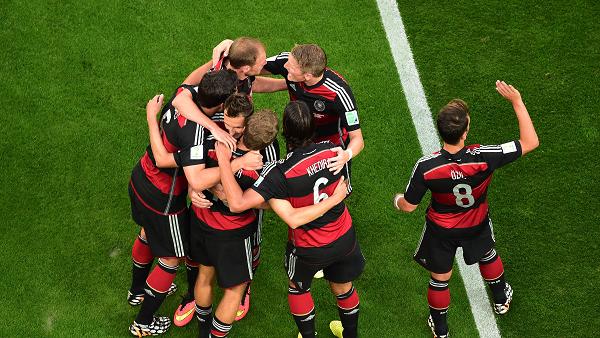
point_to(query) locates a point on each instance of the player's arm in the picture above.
(348, 113)
(297, 217)
(264, 84)
(185, 105)
(415, 190)
(162, 157)
(237, 199)
(196, 76)
(527, 134)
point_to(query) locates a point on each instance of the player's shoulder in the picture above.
(279, 57)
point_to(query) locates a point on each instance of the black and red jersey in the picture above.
(303, 179)
(164, 190)
(459, 183)
(243, 86)
(331, 101)
(219, 220)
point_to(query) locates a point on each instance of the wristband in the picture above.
(349, 151)
(396, 198)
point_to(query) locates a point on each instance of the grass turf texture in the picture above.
(76, 77)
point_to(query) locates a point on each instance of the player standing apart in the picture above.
(458, 177)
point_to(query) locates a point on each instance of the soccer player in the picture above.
(458, 177)
(327, 94)
(328, 242)
(237, 108)
(246, 57)
(159, 206)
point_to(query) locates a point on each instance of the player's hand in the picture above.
(508, 92)
(224, 137)
(336, 164)
(153, 107)
(199, 200)
(252, 160)
(341, 190)
(221, 50)
(223, 152)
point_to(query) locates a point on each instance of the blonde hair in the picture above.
(311, 58)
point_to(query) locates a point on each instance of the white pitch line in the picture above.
(428, 139)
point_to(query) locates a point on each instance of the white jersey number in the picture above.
(316, 196)
(467, 195)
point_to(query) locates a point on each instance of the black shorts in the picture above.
(167, 234)
(437, 247)
(231, 257)
(341, 261)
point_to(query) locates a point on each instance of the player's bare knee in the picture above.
(442, 276)
(170, 261)
(340, 288)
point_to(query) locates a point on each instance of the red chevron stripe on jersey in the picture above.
(161, 179)
(320, 91)
(450, 169)
(311, 164)
(219, 221)
(457, 220)
(322, 236)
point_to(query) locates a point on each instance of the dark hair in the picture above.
(452, 121)
(261, 129)
(216, 87)
(298, 125)
(238, 104)
(244, 52)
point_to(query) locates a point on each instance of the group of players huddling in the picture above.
(209, 144)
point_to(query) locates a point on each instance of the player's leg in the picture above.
(185, 311)
(438, 298)
(203, 299)
(142, 258)
(492, 271)
(227, 310)
(348, 309)
(341, 274)
(300, 301)
(256, 240)
(436, 254)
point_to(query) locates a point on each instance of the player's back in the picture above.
(308, 181)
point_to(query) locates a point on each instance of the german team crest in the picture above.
(319, 105)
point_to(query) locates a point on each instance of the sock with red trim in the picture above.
(302, 308)
(219, 329)
(157, 285)
(492, 271)
(348, 305)
(438, 297)
(142, 258)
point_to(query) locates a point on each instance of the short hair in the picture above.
(244, 52)
(216, 87)
(453, 120)
(239, 104)
(311, 58)
(261, 129)
(298, 125)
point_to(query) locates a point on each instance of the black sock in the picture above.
(157, 286)
(438, 297)
(218, 328)
(302, 308)
(192, 274)
(142, 264)
(204, 317)
(348, 306)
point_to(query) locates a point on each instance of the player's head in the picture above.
(238, 107)
(453, 122)
(261, 129)
(298, 125)
(247, 55)
(214, 89)
(306, 62)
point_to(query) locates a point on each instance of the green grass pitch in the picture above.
(74, 80)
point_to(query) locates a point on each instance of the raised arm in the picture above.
(162, 157)
(196, 76)
(297, 217)
(527, 134)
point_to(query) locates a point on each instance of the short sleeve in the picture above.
(416, 188)
(192, 142)
(275, 64)
(497, 156)
(271, 183)
(347, 109)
